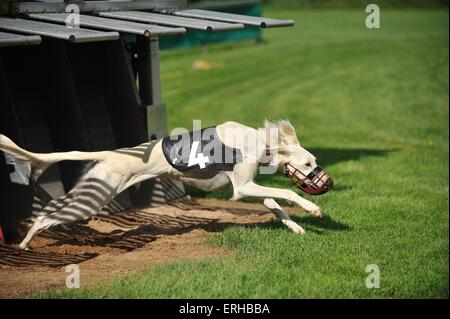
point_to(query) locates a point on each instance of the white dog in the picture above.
(208, 159)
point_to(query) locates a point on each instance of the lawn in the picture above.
(372, 105)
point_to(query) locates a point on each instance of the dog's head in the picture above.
(297, 163)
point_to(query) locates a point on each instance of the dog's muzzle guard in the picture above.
(317, 182)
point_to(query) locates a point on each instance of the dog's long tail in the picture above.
(23, 160)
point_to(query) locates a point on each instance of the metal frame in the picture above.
(74, 35)
(170, 20)
(14, 7)
(150, 86)
(111, 24)
(210, 4)
(233, 18)
(10, 39)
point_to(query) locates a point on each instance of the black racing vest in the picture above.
(200, 153)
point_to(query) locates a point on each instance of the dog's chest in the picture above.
(200, 152)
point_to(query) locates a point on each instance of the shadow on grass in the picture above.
(331, 156)
(341, 187)
(319, 225)
(310, 224)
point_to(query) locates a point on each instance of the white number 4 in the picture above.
(195, 158)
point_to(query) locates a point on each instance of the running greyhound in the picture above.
(208, 159)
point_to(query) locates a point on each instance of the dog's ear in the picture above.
(287, 132)
(285, 135)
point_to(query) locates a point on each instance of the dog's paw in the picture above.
(24, 247)
(312, 209)
(317, 213)
(295, 227)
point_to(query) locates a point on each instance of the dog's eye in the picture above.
(308, 164)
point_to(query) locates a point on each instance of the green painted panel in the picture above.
(196, 37)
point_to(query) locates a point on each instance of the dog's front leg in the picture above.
(283, 216)
(252, 189)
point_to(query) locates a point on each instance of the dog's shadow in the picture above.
(310, 224)
(141, 227)
(147, 227)
(14, 257)
(331, 156)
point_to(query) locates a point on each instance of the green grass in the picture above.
(373, 106)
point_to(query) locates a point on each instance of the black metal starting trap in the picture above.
(68, 82)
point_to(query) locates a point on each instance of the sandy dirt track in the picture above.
(122, 243)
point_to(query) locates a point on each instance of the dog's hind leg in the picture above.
(97, 188)
(283, 216)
